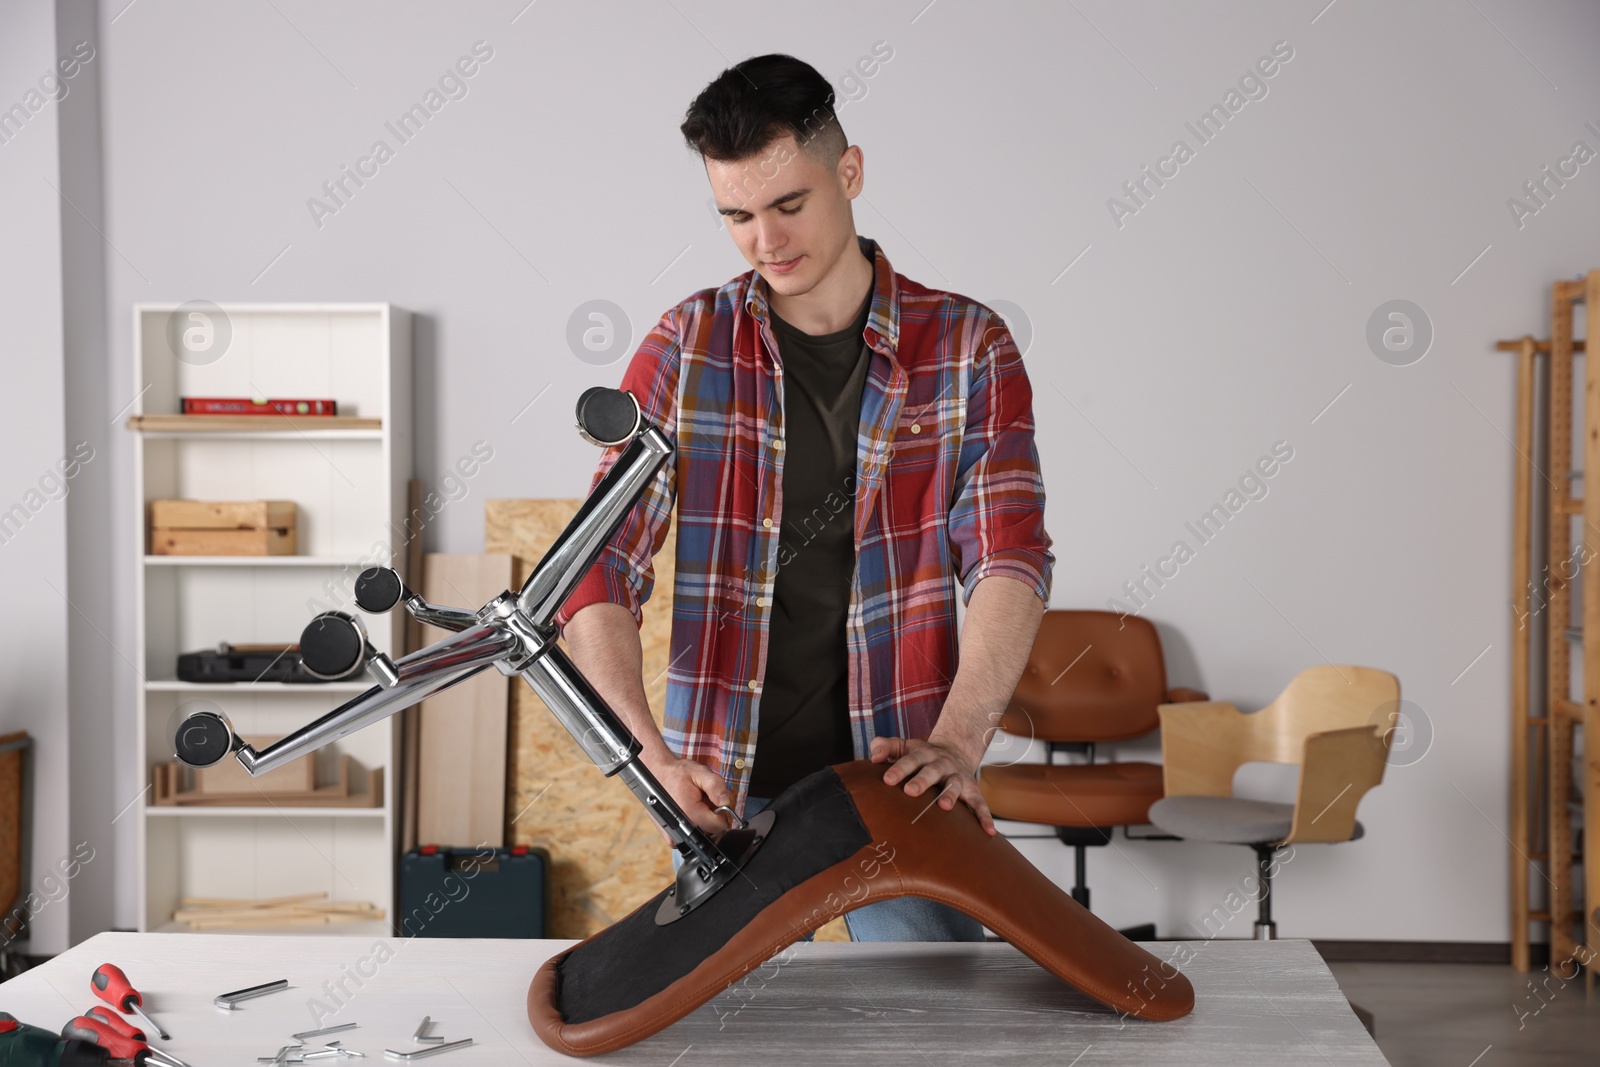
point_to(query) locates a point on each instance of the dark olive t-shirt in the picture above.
(803, 721)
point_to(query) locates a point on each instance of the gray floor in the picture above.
(1473, 1015)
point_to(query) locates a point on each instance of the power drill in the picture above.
(22, 1045)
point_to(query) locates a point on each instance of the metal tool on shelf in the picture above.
(515, 634)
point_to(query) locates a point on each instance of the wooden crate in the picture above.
(167, 790)
(229, 776)
(222, 528)
(222, 514)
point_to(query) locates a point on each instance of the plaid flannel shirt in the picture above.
(947, 487)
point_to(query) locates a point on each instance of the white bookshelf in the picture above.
(349, 485)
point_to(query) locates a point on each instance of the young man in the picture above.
(850, 444)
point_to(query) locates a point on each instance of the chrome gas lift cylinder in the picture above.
(513, 633)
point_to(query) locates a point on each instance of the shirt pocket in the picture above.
(923, 433)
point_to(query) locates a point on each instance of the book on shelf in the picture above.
(238, 405)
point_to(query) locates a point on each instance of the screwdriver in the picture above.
(113, 987)
(116, 1022)
(119, 1047)
(22, 1045)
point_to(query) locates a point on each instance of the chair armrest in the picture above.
(1337, 769)
(1183, 694)
(1202, 744)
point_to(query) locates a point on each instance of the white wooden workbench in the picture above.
(1269, 1003)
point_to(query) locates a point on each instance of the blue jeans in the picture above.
(901, 919)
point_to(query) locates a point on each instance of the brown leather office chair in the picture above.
(1093, 677)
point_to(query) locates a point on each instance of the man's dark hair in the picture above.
(753, 103)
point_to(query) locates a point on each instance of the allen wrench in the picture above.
(227, 1001)
(417, 1054)
(334, 1050)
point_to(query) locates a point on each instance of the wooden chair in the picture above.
(1093, 677)
(1335, 721)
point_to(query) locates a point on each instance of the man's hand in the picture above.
(697, 788)
(925, 765)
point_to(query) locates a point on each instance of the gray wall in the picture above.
(33, 541)
(1170, 348)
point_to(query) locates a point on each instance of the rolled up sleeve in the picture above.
(996, 522)
(624, 572)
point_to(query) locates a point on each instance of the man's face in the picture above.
(788, 212)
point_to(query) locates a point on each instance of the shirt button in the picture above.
(916, 427)
(767, 523)
(761, 601)
(778, 444)
(739, 763)
(753, 683)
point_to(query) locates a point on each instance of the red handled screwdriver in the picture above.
(109, 1018)
(113, 987)
(22, 1045)
(95, 1032)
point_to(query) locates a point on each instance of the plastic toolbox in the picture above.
(474, 892)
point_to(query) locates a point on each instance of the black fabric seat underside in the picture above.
(816, 826)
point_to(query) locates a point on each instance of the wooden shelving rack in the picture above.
(349, 477)
(1544, 787)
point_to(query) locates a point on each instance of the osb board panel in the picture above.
(607, 856)
(461, 740)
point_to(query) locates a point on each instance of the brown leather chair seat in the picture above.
(843, 838)
(1096, 794)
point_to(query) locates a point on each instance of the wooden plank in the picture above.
(299, 775)
(1542, 347)
(1521, 576)
(337, 794)
(268, 542)
(1558, 755)
(251, 423)
(1590, 927)
(461, 732)
(223, 514)
(253, 902)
